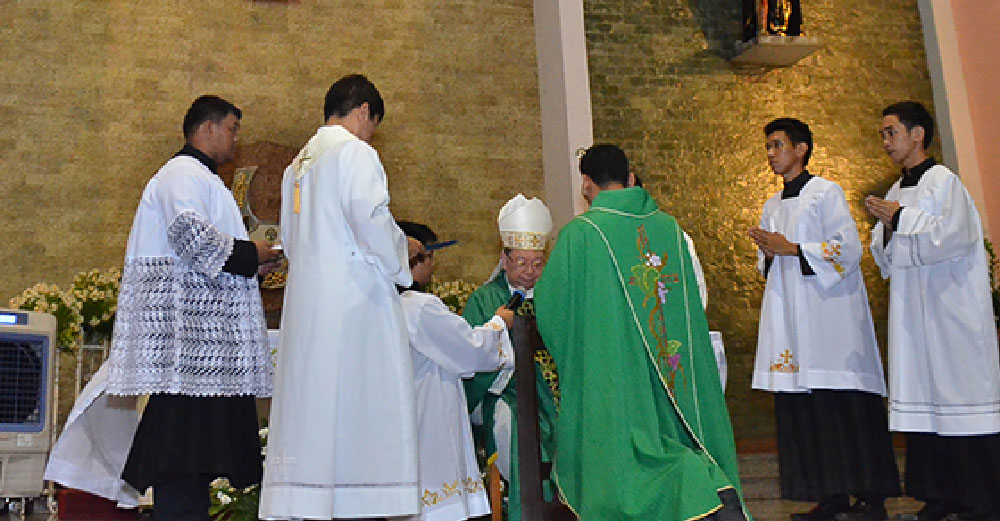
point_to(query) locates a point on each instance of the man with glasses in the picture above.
(827, 381)
(944, 375)
(524, 229)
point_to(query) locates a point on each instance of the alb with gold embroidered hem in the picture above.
(444, 347)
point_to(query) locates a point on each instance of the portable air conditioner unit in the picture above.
(27, 361)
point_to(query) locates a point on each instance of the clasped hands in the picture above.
(882, 209)
(772, 243)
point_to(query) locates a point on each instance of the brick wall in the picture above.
(691, 124)
(93, 93)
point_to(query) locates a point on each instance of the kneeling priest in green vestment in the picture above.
(643, 431)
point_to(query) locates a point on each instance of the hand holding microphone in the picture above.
(506, 312)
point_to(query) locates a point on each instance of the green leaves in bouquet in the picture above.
(454, 293)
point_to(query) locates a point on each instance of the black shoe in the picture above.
(825, 510)
(969, 515)
(933, 510)
(864, 511)
(732, 509)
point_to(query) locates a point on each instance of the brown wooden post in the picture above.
(529, 458)
(496, 495)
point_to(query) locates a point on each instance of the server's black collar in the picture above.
(912, 176)
(793, 187)
(189, 150)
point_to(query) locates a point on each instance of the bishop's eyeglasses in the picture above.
(522, 264)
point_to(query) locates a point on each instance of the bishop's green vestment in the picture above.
(643, 431)
(481, 306)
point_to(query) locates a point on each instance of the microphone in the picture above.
(515, 300)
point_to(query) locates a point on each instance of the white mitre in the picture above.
(524, 223)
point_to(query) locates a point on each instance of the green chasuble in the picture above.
(643, 431)
(481, 306)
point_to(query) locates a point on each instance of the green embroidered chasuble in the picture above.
(480, 307)
(643, 431)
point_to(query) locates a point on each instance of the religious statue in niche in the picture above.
(274, 277)
(771, 17)
(254, 177)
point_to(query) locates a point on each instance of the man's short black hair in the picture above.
(912, 114)
(207, 108)
(418, 231)
(605, 164)
(349, 93)
(797, 132)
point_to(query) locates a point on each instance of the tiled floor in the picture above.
(779, 510)
(760, 487)
(759, 474)
(760, 509)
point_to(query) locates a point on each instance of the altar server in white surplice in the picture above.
(342, 441)
(189, 332)
(944, 373)
(816, 347)
(445, 348)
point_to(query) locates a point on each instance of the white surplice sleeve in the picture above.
(932, 235)
(878, 249)
(766, 223)
(877, 246)
(699, 274)
(837, 256)
(183, 201)
(450, 342)
(367, 202)
(287, 210)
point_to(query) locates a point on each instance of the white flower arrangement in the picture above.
(46, 298)
(233, 504)
(87, 307)
(223, 498)
(97, 292)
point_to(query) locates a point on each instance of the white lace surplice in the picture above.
(183, 325)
